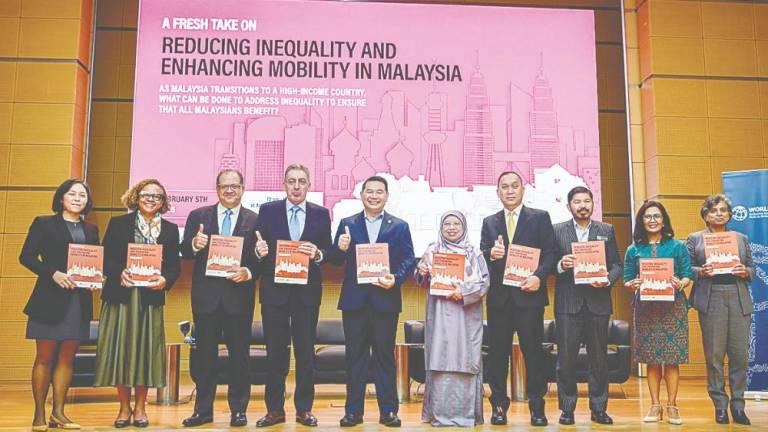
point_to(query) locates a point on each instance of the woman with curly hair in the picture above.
(131, 346)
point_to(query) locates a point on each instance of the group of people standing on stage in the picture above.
(130, 352)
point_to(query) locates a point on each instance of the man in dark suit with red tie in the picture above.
(222, 306)
(517, 309)
(290, 311)
(370, 310)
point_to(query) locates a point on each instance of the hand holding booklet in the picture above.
(522, 262)
(85, 265)
(590, 266)
(656, 279)
(144, 263)
(291, 265)
(372, 262)
(224, 255)
(447, 269)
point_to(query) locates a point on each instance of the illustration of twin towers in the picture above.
(406, 139)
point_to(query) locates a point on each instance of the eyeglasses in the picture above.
(151, 197)
(232, 187)
(650, 217)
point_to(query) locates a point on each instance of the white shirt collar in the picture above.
(220, 209)
(578, 227)
(516, 212)
(289, 205)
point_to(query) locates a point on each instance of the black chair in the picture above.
(619, 353)
(330, 353)
(84, 363)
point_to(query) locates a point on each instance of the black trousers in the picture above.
(368, 330)
(295, 322)
(571, 330)
(503, 322)
(236, 329)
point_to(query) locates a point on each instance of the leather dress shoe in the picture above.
(351, 420)
(740, 417)
(271, 418)
(390, 420)
(196, 420)
(721, 416)
(238, 419)
(499, 416)
(601, 417)
(566, 418)
(538, 419)
(306, 418)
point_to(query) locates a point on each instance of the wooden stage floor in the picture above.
(95, 409)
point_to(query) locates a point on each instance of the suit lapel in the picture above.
(361, 228)
(214, 218)
(283, 231)
(522, 220)
(501, 227)
(307, 218)
(386, 225)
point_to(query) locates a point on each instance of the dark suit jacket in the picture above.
(120, 232)
(44, 252)
(702, 286)
(273, 226)
(207, 292)
(356, 296)
(534, 229)
(570, 297)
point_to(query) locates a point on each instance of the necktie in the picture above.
(293, 224)
(226, 225)
(511, 225)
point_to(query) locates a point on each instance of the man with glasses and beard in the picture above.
(582, 311)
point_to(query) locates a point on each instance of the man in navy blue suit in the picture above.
(370, 311)
(517, 309)
(290, 311)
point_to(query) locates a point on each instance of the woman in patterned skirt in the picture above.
(660, 327)
(131, 347)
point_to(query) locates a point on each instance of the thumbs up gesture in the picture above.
(262, 248)
(345, 239)
(201, 240)
(497, 251)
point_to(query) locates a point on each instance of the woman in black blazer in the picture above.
(59, 314)
(131, 347)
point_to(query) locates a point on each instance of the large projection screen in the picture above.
(439, 99)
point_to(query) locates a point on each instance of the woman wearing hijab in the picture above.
(453, 394)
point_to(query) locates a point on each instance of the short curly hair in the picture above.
(130, 198)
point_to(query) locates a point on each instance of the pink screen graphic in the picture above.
(438, 98)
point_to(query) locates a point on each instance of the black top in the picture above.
(45, 252)
(120, 232)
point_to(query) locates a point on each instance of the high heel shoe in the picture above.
(654, 415)
(673, 415)
(40, 428)
(121, 423)
(53, 423)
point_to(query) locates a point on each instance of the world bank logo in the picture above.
(740, 213)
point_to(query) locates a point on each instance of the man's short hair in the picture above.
(578, 190)
(376, 179)
(229, 171)
(498, 180)
(296, 167)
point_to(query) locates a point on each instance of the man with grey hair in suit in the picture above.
(582, 311)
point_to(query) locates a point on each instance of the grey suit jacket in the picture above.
(569, 297)
(702, 285)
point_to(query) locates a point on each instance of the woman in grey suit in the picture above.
(725, 310)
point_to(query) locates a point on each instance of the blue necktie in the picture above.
(293, 224)
(226, 225)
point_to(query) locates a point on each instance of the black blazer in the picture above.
(207, 292)
(119, 233)
(397, 234)
(569, 297)
(534, 229)
(273, 225)
(44, 252)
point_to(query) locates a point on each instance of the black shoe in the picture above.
(538, 418)
(601, 417)
(566, 418)
(390, 420)
(721, 416)
(740, 417)
(351, 420)
(197, 420)
(306, 419)
(499, 416)
(238, 419)
(272, 418)
(123, 423)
